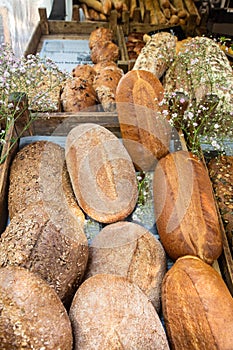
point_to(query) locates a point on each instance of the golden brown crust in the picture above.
(32, 315)
(128, 249)
(85, 72)
(105, 51)
(100, 34)
(185, 210)
(197, 307)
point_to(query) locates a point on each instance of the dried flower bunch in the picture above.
(199, 90)
(39, 78)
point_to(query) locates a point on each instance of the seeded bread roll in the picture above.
(197, 307)
(129, 250)
(108, 312)
(105, 51)
(100, 34)
(85, 72)
(77, 94)
(101, 172)
(145, 131)
(32, 315)
(185, 211)
(104, 64)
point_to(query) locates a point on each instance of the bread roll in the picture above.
(108, 312)
(105, 51)
(77, 94)
(32, 315)
(85, 72)
(100, 34)
(184, 206)
(48, 241)
(197, 307)
(102, 173)
(145, 131)
(104, 64)
(130, 250)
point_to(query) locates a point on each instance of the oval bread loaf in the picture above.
(32, 315)
(128, 249)
(108, 312)
(197, 307)
(101, 172)
(145, 131)
(185, 210)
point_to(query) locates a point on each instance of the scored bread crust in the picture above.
(100, 34)
(130, 250)
(108, 312)
(32, 315)
(101, 172)
(184, 206)
(197, 307)
(145, 130)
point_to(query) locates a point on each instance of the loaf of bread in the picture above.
(101, 172)
(184, 206)
(100, 34)
(157, 54)
(105, 85)
(145, 131)
(197, 307)
(221, 174)
(77, 94)
(85, 72)
(46, 230)
(105, 51)
(32, 315)
(108, 312)
(128, 249)
(104, 64)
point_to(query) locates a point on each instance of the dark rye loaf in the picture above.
(108, 313)
(101, 172)
(128, 249)
(32, 315)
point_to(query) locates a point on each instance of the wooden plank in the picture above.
(34, 41)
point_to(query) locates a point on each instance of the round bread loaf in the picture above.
(184, 207)
(77, 94)
(38, 173)
(128, 249)
(105, 51)
(47, 240)
(32, 315)
(197, 307)
(145, 131)
(101, 172)
(85, 72)
(105, 64)
(100, 34)
(108, 312)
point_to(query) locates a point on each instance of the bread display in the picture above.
(108, 312)
(144, 129)
(46, 230)
(184, 206)
(157, 55)
(77, 94)
(128, 249)
(32, 315)
(134, 44)
(101, 172)
(105, 85)
(221, 174)
(197, 307)
(85, 72)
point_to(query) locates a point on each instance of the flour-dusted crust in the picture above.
(108, 312)
(185, 210)
(32, 315)
(197, 307)
(128, 249)
(101, 172)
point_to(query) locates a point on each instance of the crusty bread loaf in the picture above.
(184, 206)
(47, 240)
(108, 312)
(105, 51)
(221, 174)
(100, 34)
(128, 249)
(77, 94)
(101, 172)
(144, 129)
(85, 72)
(38, 173)
(197, 307)
(32, 315)
(104, 64)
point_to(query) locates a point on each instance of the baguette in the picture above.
(186, 218)
(107, 6)
(94, 4)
